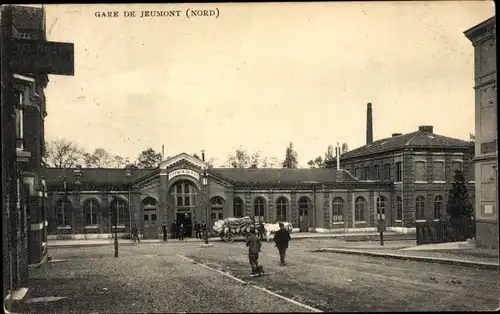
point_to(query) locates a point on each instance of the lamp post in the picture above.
(205, 184)
(115, 218)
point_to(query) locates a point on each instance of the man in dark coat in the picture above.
(174, 229)
(262, 231)
(197, 229)
(164, 228)
(281, 238)
(135, 234)
(204, 228)
(253, 243)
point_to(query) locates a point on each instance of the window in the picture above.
(216, 208)
(399, 208)
(19, 122)
(399, 172)
(387, 171)
(118, 208)
(376, 172)
(439, 171)
(338, 209)
(258, 208)
(184, 194)
(146, 217)
(149, 204)
(368, 173)
(359, 209)
(63, 207)
(357, 173)
(420, 208)
(456, 166)
(281, 208)
(438, 206)
(238, 207)
(381, 202)
(420, 171)
(153, 217)
(91, 208)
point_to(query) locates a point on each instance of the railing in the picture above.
(443, 231)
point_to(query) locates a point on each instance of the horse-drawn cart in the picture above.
(229, 228)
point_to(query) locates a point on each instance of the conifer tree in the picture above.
(459, 206)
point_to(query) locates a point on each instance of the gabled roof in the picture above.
(94, 176)
(280, 175)
(418, 139)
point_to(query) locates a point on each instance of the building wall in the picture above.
(486, 147)
(409, 188)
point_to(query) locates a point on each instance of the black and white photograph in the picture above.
(246, 157)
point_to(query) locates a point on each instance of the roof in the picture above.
(482, 27)
(279, 175)
(418, 139)
(94, 176)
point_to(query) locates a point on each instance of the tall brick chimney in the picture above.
(369, 124)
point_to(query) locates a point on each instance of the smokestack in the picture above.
(163, 152)
(338, 156)
(369, 124)
(203, 155)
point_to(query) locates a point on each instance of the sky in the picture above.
(262, 75)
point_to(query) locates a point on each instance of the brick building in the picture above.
(483, 38)
(403, 178)
(420, 166)
(24, 191)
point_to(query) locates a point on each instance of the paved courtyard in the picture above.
(182, 277)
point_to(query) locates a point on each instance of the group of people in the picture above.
(179, 230)
(254, 244)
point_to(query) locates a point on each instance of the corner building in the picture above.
(483, 38)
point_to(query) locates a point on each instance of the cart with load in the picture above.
(229, 228)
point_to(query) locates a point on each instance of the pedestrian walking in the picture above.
(181, 232)
(164, 227)
(204, 228)
(174, 229)
(254, 245)
(281, 238)
(197, 229)
(135, 235)
(262, 231)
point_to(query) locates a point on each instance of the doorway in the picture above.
(150, 225)
(304, 206)
(186, 219)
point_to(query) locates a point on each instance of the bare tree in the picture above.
(100, 158)
(62, 153)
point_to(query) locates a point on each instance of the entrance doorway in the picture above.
(150, 218)
(186, 219)
(304, 206)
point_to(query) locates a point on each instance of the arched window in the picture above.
(63, 209)
(359, 209)
(438, 206)
(184, 194)
(381, 202)
(338, 209)
(217, 208)
(281, 209)
(149, 204)
(238, 207)
(259, 206)
(399, 208)
(118, 206)
(91, 209)
(419, 208)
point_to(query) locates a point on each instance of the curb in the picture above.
(74, 245)
(416, 258)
